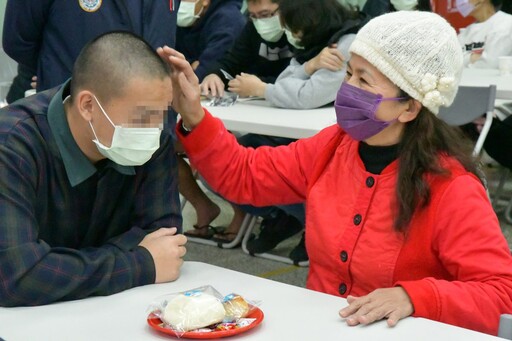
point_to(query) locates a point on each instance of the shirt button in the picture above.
(357, 219)
(342, 289)
(370, 181)
(343, 256)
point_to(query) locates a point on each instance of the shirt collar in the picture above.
(77, 165)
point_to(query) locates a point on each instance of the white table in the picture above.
(291, 313)
(260, 117)
(485, 77)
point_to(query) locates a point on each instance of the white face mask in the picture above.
(292, 40)
(130, 146)
(404, 5)
(186, 14)
(464, 7)
(269, 29)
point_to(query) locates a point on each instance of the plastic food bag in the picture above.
(202, 309)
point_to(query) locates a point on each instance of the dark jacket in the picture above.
(251, 54)
(48, 35)
(212, 35)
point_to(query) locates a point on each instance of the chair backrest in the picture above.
(505, 328)
(470, 103)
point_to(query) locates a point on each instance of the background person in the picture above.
(487, 39)
(314, 74)
(310, 81)
(47, 36)
(206, 30)
(263, 50)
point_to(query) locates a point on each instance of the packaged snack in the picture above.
(193, 309)
(236, 307)
(203, 310)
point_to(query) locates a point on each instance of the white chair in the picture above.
(470, 104)
(505, 328)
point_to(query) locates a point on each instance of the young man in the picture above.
(88, 184)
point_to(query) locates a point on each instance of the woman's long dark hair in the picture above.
(318, 20)
(423, 141)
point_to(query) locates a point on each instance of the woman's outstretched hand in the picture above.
(186, 91)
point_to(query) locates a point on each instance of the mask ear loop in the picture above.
(103, 111)
(198, 15)
(383, 99)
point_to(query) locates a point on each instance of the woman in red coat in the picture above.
(397, 217)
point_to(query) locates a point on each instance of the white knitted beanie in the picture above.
(418, 51)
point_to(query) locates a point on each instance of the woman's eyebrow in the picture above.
(360, 70)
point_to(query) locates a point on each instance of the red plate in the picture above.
(155, 323)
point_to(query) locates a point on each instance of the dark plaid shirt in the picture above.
(69, 228)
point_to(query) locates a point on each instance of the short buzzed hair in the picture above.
(109, 61)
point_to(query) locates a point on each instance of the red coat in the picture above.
(454, 262)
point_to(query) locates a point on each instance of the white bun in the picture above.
(192, 312)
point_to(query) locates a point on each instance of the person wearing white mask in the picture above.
(262, 50)
(487, 39)
(375, 8)
(206, 30)
(87, 180)
(311, 79)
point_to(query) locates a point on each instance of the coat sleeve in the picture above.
(470, 245)
(23, 28)
(219, 37)
(261, 177)
(239, 57)
(294, 89)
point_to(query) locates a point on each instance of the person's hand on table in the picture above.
(246, 85)
(195, 65)
(475, 56)
(33, 84)
(392, 304)
(212, 84)
(167, 249)
(186, 91)
(329, 58)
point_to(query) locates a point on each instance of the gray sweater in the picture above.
(294, 89)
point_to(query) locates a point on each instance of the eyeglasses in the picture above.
(263, 15)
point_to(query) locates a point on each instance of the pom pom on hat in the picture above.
(417, 51)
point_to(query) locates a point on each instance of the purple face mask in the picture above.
(355, 112)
